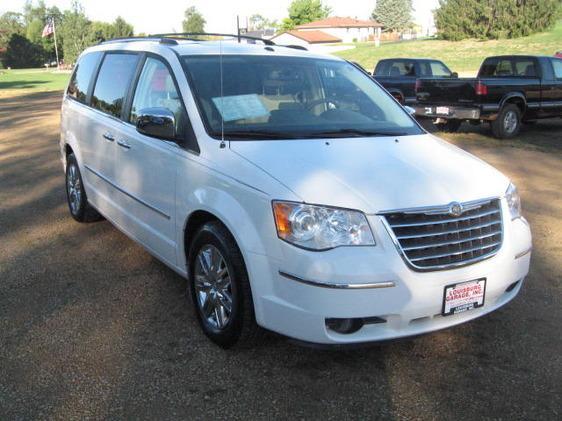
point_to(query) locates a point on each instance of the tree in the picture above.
(10, 23)
(121, 28)
(305, 11)
(75, 32)
(257, 22)
(22, 53)
(394, 15)
(194, 21)
(493, 19)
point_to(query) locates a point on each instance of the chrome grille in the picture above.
(434, 239)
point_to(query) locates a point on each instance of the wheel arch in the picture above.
(516, 98)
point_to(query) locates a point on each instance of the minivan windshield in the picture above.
(283, 97)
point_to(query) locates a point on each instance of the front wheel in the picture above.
(76, 197)
(508, 122)
(220, 288)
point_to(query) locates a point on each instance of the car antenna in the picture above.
(222, 144)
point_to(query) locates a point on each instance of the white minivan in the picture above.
(291, 190)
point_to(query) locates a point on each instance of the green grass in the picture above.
(24, 81)
(461, 56)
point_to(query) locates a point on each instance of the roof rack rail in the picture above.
(193, 36)
(295, 47)
(131, 39)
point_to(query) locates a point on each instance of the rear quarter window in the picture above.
(82, 75)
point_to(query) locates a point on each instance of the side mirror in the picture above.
(410, 110)
(157, 122)
(454, 75)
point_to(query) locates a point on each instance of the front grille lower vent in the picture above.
(440, 238)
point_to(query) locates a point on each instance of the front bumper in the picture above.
(410, 302)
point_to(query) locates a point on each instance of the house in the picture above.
(344, 28)
(305, 38)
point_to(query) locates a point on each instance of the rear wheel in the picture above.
(77, 200)
(220, 288)
(449, 126)
(508, 122)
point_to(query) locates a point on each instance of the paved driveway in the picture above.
(92, 326)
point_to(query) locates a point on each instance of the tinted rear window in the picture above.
(116, 72)
(80, 80)
(508, 67)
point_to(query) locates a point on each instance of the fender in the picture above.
(231, 213)
(512, 95)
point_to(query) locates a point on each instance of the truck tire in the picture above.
(508, 123)
(450, 126)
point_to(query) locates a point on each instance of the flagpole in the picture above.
(55, 36)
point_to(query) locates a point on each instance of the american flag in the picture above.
(48, 29)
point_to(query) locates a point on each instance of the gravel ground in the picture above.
(93, 326)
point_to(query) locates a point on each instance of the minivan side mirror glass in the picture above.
(157, 122)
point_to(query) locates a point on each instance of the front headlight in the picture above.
(513, 201)
(321, 227)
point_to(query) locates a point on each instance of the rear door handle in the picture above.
(108, 136)
(124, 144)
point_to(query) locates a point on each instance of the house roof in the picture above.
(339, 22)
(313, 37)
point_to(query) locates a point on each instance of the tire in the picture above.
(508, 123)
(76, 197)
(450, 126)
(215, 277)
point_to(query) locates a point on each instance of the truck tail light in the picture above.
(418, 85)
(481, 88)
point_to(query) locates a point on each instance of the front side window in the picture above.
(80, 80)
(438, 69)
(115, 75)
(266, 97)
(156, 89)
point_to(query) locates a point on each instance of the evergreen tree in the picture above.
(394, 15)
(493, 19)
(23, 53)
(194, 21)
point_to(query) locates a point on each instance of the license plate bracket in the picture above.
(463, 296)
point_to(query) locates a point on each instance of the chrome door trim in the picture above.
(126, 193)
(371, 285)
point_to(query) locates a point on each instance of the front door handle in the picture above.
(108, 136)
(124, 144)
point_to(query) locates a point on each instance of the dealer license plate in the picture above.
(463, 296)
(442, 110)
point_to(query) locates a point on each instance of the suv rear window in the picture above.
(115, 75)
(80, 80)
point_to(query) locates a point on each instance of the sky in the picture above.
(220, 14)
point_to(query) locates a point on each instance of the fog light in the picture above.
(344, 326)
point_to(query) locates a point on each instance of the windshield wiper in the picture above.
(357, 133)
(257, 134)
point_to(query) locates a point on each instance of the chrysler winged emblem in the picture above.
(455, 209)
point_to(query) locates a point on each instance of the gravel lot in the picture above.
(93, 326)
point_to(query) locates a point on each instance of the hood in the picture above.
(375, 174)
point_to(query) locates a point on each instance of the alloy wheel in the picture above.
(213, 287)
